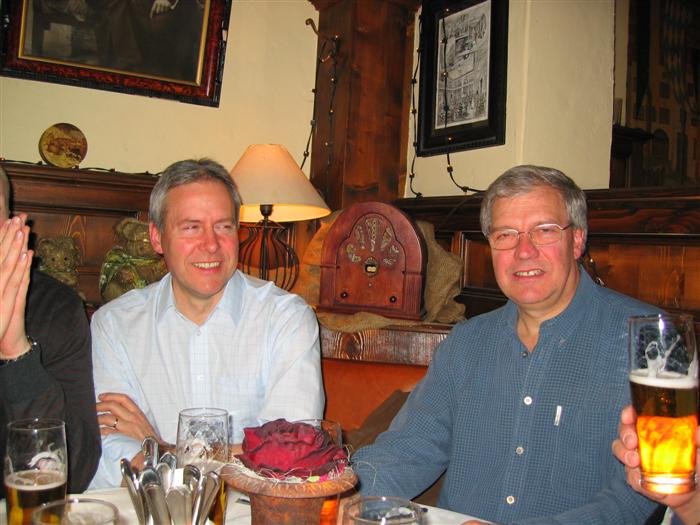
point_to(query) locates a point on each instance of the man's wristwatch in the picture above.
(33, 347)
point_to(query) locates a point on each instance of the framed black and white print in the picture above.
(462, 88)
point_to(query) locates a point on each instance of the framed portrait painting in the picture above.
(463, 63)
(160, 48)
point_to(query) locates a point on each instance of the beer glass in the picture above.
(329, 511)
(202, 441)
(376, 510)
(76, 511)
(664, 386)
(36, 466)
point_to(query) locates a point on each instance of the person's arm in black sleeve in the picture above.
(61, 384)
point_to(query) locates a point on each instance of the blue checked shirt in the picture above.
(523, 437)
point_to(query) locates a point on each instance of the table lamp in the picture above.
(273, 190)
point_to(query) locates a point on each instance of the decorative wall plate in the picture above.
(63, 145)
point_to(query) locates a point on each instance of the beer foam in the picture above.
(663, 379)
(29, 480)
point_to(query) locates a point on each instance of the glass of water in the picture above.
(380, 510)
(76, 511)
(202, 441)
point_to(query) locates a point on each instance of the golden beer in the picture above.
(667, 418)
(217, 514)
(28, 489)
(329, 511)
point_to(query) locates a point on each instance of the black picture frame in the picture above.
(176, 52)
(475, 52)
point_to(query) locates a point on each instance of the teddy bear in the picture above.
(59, 257)
(132, 262)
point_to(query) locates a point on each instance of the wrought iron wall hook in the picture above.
(590, 262)
(333, 41)
(332, 58)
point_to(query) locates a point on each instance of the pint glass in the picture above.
(664, 386)
(36, 466)
(202, 441)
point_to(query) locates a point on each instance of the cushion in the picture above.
(376, 423)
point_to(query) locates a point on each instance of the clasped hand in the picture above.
(117, 413)
(15, 264)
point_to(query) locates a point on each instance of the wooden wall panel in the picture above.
(664, 275)
(82, 204)
(641, 242)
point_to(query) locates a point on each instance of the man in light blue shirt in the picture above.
(206, 335)
(519, 405)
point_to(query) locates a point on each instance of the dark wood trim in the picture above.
(644, 242)
(38, 187)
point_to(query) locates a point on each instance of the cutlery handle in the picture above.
(157, 504)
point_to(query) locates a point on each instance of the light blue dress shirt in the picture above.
(257, 355)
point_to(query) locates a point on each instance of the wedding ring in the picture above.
(116, 420)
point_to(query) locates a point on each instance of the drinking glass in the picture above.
(202, 441)
(664, 387)
(36, 466)
(76, 511)
(329, 511)
(379, 510)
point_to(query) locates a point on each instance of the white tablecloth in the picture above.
(236, 514)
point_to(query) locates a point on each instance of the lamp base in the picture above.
(266, 254)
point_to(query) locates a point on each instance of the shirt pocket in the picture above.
(580, 440)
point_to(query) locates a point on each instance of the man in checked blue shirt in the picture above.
(520, 405)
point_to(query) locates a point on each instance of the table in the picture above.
(236, 514)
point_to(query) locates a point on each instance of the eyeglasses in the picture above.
(541, 235)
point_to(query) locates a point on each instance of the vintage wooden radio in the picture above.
(373, 260)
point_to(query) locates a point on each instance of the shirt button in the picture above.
(525, 353)
(527, 400)
(519, 451)
(199, 332)
(510, 500)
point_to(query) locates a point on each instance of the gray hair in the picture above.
(187, 172)
(4, 194)
(524, 179)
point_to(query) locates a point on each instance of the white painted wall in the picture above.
(266, 98)
(559, 107)
(559, 99)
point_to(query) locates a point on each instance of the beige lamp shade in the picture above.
(267, 174)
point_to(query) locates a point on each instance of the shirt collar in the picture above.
(564, 323)
(230, 303)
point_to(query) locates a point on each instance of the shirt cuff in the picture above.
(675, 520)
(114, 448)
(25, 378)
